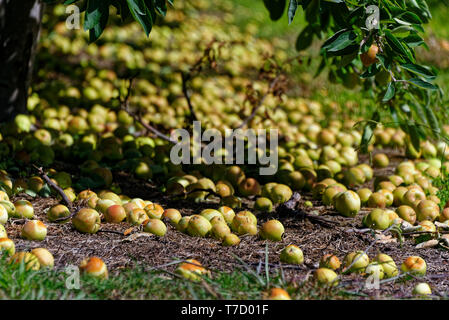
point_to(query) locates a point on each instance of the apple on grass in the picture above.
(29, 260)
(7, 245)
(278, 294)
(45, 257)
(94, 267)
(192, 270)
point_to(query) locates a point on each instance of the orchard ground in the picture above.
(143, 267)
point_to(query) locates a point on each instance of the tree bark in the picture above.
(19, 31)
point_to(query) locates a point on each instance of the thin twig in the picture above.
(185, 78)
(54, 186)
(124, 105)
(259, 104)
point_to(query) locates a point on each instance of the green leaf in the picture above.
(367, 135)
(413, 40)
(397, 46)
(402, 31)
(161, 7)
(389, 94)
(340, 41)
(93, 13)
(292, 7)
(422, 84)
(410, 17)
(420, 70)
(305, 38)
(414, 136)
(145, 18)
(275, 8)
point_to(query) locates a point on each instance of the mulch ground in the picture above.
(315, 239)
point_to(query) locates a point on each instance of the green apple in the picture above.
(292, 254)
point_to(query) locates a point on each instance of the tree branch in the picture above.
(55, 187)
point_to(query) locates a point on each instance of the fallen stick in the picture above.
(55, 187)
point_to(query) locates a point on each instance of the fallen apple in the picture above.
(192, 270)
(34, 230)
(330, 261)
(414, 265)
(46, 259)
(427, 210)
(155, 226)
(3, 215)
(24, 209)
(94, 267)
(209, 214)
(172, 216)
(263, 204)
(388, 265)
(348, 203)
(136, 217)
(377, 219)
(220, 230)
(198, 226)
(278, 294)
(28, 259)
(375, 269)
(272, 230)
(57, 212)
(7, 245)
(292, 254)
(86, 220)
(325, 276)
(422, 289)
(356, 261)
(230, 239)
(228, 213)
(377, 200)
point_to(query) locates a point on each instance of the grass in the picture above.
(140, 283)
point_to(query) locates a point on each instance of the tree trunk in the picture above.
(19, 31)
